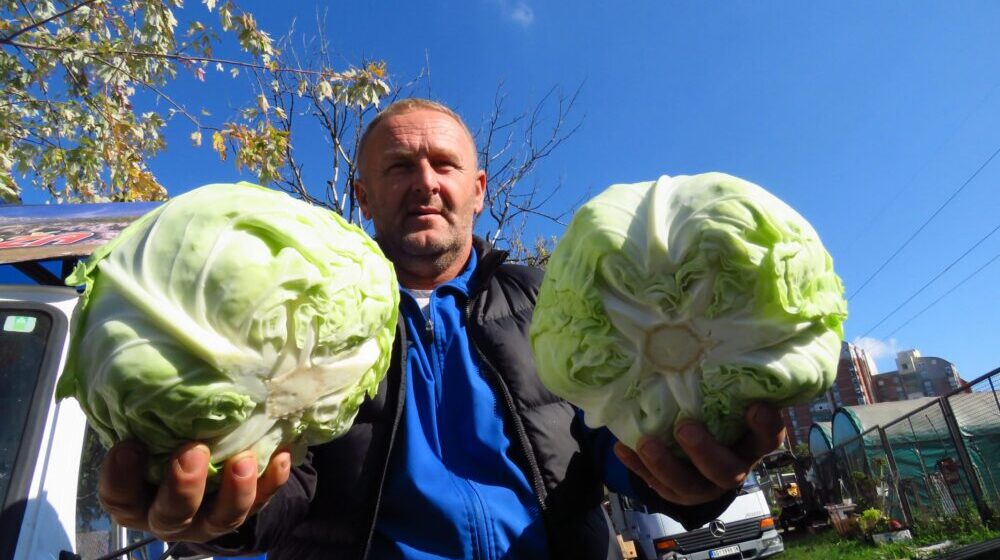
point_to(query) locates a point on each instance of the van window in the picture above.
(93, 525)
(96, 535)
(24, 336)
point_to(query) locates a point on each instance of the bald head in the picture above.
(407, 106)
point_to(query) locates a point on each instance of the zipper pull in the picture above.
(429, 328)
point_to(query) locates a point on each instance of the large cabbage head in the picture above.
(687, 298)
(235, 316)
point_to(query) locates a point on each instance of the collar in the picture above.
(461, 283)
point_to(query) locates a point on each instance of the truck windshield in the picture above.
(750, 483)
(24, 336)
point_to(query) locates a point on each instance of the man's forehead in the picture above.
(422, 125)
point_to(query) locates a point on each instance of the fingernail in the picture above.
(245, 467)
(126, 458)
(189, 461)
(650, 450)
(690, 434)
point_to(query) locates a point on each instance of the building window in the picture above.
(881, 382)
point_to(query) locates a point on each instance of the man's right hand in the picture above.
(179, 510)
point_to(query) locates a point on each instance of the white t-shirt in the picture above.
(423, 298)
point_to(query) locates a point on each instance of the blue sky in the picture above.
(865, 117)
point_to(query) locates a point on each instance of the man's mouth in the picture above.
(424, 211)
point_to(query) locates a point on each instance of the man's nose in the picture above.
(426, 179)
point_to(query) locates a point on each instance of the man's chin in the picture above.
(422, 244)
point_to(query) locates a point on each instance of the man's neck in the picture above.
(424, 275)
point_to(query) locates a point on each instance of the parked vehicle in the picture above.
(745, 530)
(49, 458)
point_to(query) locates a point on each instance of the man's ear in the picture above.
(480, 190)
(361, 192)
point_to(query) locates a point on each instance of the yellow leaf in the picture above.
(219, 144)
(196, 138)
(377, 68)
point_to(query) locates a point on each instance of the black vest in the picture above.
(333, 515)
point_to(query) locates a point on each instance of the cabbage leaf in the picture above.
(235, 316)
(688, 297)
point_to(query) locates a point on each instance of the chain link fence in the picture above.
(936, 461)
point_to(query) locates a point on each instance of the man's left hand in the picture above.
(714, 469)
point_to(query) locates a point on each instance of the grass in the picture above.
(829, 546)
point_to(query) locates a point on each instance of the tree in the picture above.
(511, 144)
(510, 149)
(77, 77)
(75, 73)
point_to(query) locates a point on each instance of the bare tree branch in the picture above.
(511, 147)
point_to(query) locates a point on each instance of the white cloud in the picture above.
(517, 11)
(879, 349)
(522, 14)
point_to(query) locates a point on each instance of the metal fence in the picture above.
(939, 460)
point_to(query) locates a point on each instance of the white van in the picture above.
(49, 459)
(745, 530)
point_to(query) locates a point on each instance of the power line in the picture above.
(932, 280)
(953, 288)
(926, 162)
(923, 225)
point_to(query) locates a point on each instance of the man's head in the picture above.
(420, 184)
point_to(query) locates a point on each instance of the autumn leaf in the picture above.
(219, 144)
(377, 68)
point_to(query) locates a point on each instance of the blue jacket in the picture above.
(343, 503)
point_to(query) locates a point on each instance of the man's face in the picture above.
(420, 186)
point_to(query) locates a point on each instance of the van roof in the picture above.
(62, 231)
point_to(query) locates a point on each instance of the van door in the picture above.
(32, 337)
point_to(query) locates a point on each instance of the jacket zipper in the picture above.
(522, 434)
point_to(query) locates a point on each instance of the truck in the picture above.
(49, 457)
(745, 530)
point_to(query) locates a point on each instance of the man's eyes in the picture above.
(445, 164)
(399, 166)
(405, 165)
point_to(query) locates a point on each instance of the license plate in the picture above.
(720, 552)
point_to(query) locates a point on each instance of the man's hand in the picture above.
(178, 510)
(714, 469)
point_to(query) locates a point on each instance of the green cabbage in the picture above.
(232, 315)
(687, 298)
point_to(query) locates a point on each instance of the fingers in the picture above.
(714, 469)
(721, 465)
(240, 493)
(274, 477)
(180, 495)
(180, 510)
(671, 477)
(237, 492)
(120, 487)
(767, 431)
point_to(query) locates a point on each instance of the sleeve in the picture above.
(272, 523)
(599, 443)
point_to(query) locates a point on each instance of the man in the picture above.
(463, 453)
